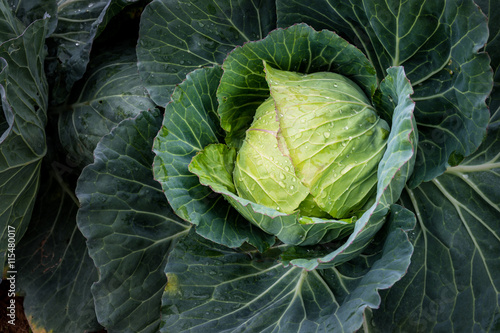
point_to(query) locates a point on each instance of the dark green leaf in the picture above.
(215, 289)
(452, 283)
(190, 124)
(29, 11)
(70, 44)
(492, 11)
(10, 26)
(179, 36)
(23, 91)
(110, 92)
(129, 226)
(54, 270)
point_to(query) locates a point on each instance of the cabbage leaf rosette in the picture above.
(290, 134)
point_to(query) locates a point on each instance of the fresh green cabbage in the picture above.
(313, 146)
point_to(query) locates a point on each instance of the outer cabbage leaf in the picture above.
(453, 280)
(179, 36)
(55, 272)
(28, 11)
(190, 124)
(110, 92)
(10, 26)
(23, 91)
(213, 288)
(78, 23)
(129, 226)
(437, 43)
(492, 12)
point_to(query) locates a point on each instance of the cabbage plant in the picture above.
(250, 166)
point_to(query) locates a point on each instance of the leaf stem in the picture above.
(473, 168)
(65, 187)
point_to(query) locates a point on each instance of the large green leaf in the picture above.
(78, 25)
(110, 92)
(28, 11)
(179, 36)
(215, 289)
(23, 91)
(190, 124)
(10, 26)
(55, 272)
(437, 42)
(129, 226)
(453, 282)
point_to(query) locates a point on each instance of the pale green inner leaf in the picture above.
(263, 173)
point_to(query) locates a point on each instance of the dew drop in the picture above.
(335, 85)
(346, 128)
(326, 134)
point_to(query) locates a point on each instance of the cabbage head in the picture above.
(313, 146)
(293, 131)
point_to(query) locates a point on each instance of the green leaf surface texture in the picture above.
(129, 226)
(437, 42)
(110, 92)
(28, 11)
(216, 289)
(10, 26)
(452, 283)
(23, 91)
(78, 23)
(263, 173)
(179, 36)
(298, 48)
(190, 124)
(55, 272)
